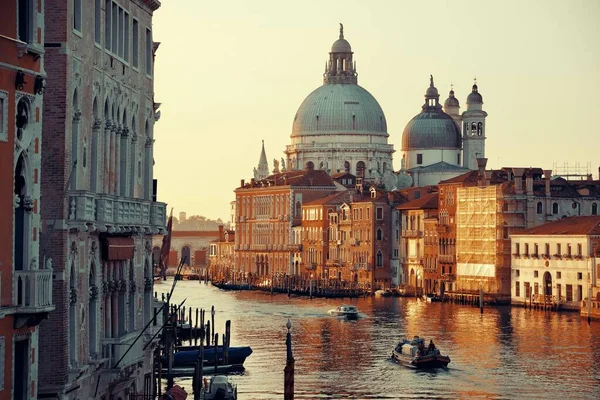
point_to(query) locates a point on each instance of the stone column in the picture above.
(95, 176)
(107, 136)
(133, 162)
(124, 163)
(116, 163)
(148, 155)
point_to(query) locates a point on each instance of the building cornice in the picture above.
(152, 4)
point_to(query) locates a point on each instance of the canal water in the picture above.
(506, 353)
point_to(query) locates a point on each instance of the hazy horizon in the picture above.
(230, 74)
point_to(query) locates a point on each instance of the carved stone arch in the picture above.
(95, 107)
(107, 109)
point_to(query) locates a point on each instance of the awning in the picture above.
(119, 248)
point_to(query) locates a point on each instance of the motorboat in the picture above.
(219, 387)
(432, 298)
(347, 311)
(384, 293)
(414, 354)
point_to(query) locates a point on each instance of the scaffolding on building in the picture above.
(575, 171)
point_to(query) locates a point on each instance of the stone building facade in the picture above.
(266, 212)
(100, 207)
(192, 246)
(221, 260)
(25, 279)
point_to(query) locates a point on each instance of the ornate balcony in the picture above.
(447, 258)
(32, 296)
(90, 211)
(412, 233)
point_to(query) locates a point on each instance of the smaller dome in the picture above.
(451, 101)
(341, 46)
(474, 97)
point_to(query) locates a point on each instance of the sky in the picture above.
(232, 73)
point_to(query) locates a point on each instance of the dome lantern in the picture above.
(340, 68)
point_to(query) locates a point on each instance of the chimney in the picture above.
(252, 182)
(488, 177)
(481, 163)
(242, 183)
(518, 180)
(221, 234)
(547, 175)
(529, 184)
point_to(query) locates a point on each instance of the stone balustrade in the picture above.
(33, 290)
(103, 209)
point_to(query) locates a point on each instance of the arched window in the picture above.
(360, 168)
(479, 129)
(473, 128)
(309, 166)
(298, 211)
(379, 234)
(346, 166)
(92, 312)
(23, 208)
(186, 255)
(379, 258)
(539, 207)
(594, 208)
(554, 208)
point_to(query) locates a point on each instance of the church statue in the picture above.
(275, 166)
(403, 163)
(255, 173)
(282, 165)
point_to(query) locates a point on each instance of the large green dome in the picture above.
(339, 109)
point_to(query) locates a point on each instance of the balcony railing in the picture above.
(447, 258)
(89, 207)
(114, 348)
(414, 233)
(33, 291)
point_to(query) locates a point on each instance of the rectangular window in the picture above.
(579, 293)
(3, 119)
(517, 273)
(25, 15)
(419, 159)
(547, 249)
(568, 249)
(569, 292)
(535, 249)
(148, 52)
(379, 213)
(558, 275)
(579, 249)
(579, 275)
(527, 288)
(126, 39)
(558, 249)
(558, 291)
(517, 248)
(77, 15)
(526, 249)
(2, 350)
(120, 33)
(97, 29)
(535, 274)
(107, 24)
(517, 289)
(115, 28)
(536, 288)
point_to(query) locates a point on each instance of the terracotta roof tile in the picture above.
(429, 202)
(584, 225)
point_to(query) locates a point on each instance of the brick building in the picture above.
(221, 257)
(25, 283)
(266, 212)
(100, 207)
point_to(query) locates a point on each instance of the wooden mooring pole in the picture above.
(288, 371)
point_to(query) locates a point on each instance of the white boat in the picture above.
(349, 312)
(220, 387)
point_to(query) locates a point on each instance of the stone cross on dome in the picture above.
(341, 30)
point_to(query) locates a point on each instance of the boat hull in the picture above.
(345, 315)
(422, 362)
(187, 358)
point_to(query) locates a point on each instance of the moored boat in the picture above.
(350, 312)
(413, 354)
(219, 387)
(236, 356)
(432, 298)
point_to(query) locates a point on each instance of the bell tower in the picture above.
(473, 131)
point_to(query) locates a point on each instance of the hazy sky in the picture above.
(231, 73)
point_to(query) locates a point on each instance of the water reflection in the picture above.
(503, 354)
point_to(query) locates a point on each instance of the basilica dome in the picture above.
(432, 128)
(339, 108)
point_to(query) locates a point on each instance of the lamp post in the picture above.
(288, 371)
(310, 286)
